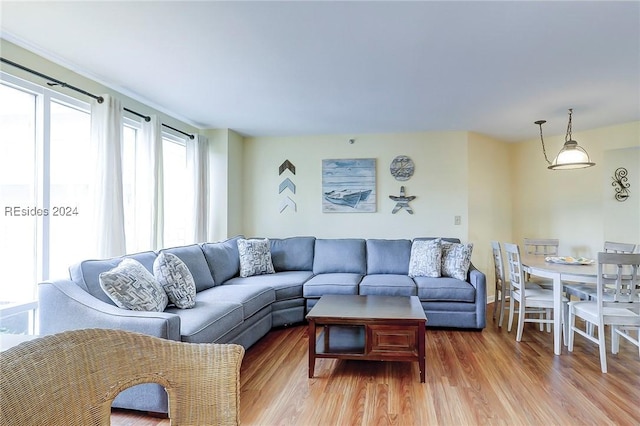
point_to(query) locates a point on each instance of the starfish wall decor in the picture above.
(402, 202)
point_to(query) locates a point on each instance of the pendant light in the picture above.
(571, 156)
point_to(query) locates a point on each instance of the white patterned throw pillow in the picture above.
(456, 259)
(176, 280)
(255, 257)
(426, 258)
(131, 286)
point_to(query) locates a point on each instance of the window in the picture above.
(176, 189)
(44, 186)
(70, 177)
(45, 177)
(134, 241)
(136, 189)
(18, 232)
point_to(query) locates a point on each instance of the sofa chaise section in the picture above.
(292, 260)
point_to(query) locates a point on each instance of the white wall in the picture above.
(440, 184)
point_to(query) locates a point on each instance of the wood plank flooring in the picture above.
(472, 378)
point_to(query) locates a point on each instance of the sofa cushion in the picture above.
(223, 259)
(292, 254)
(209, 320)
(194, 259)
(426, 258)
(175, 279)
(340, 256)
(456, 259)
(287, 284)
(388, 256)
(251, 297)
(133, 287)
(255, 257)
(337, 283)
(445, 289)
(387, 285)
(86, 273)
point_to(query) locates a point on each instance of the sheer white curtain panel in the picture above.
(149, 194)
(198, 166)
(106, 146)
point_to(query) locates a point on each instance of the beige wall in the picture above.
(440, 184)
(569, 204)
(489, 200)
(225, 183)
(456, 174)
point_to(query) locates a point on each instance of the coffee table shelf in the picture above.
(340, 340)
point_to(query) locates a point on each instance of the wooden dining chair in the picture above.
(617, 304)
(502, 287)
(588, 291)
(501, 284)
(541, 247)
(530, 300)
(612, 247)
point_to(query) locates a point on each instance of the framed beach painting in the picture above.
(349, 185)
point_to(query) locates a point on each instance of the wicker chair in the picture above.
(71, 378)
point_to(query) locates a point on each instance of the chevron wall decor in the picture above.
(287, 184)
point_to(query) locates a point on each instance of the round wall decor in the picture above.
(402, 168)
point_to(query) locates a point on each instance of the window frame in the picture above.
(44, 97)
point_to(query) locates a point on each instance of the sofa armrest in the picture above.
(479, 280)
(65, 306)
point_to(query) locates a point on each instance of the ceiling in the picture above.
(300, 68)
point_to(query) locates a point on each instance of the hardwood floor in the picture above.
(472, 378)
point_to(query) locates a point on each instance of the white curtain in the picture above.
(149, 193)
(106, 145)
(198, 169)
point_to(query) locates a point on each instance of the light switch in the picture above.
(457, 220)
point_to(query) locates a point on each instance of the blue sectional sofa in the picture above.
(234, 309)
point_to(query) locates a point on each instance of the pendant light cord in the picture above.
(568, 135)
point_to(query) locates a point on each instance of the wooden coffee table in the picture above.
(374, 328)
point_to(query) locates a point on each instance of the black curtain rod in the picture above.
(55, 82)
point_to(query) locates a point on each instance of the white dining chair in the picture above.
(617, 304)
(530, 300)
(541, 247)
(584, 291)
(612, 247)
(502, 286)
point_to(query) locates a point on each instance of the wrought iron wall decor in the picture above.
(621, 184)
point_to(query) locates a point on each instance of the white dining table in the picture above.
(538, 266)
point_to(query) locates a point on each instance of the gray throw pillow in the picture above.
(255, 257)
(131, 286)
(176, 280)
(456, 259)
(426, 258)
